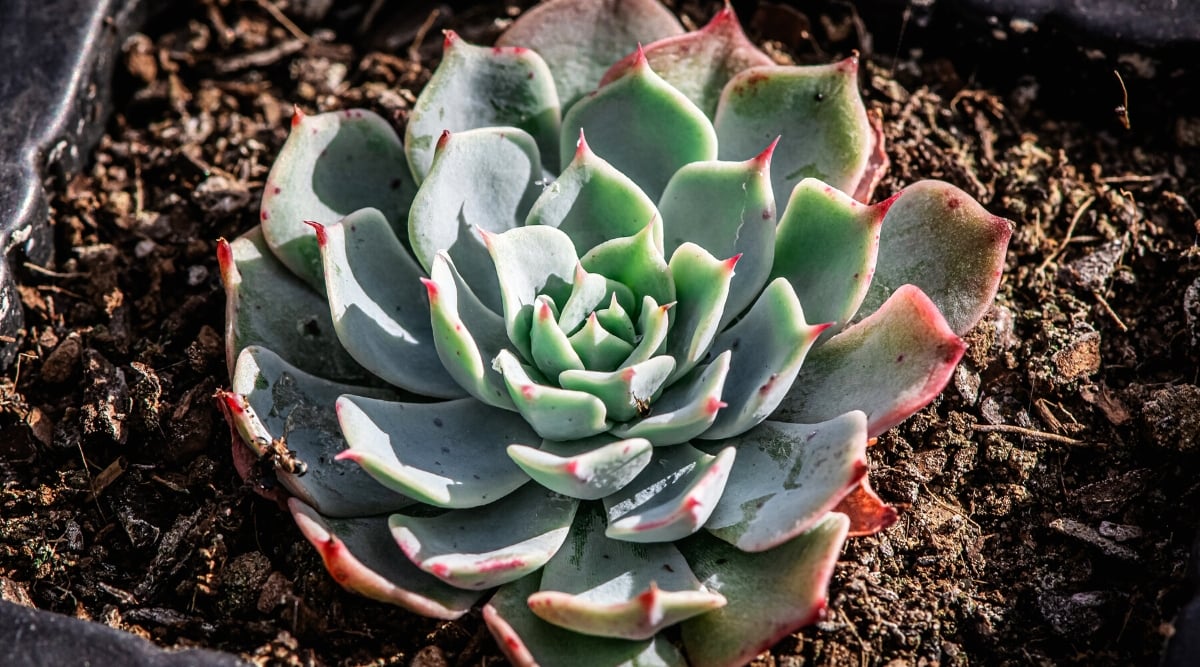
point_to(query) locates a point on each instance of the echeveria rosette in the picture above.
(615, 354)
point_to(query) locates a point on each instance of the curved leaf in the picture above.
(449, 454)
(653, 325)
(490, 545)
(634, 261)
(576, 471)
(701, 292)
(579, 40)
(478, 86)
(643, 127)
(556, 414)
(686, 408)
(672, 498)
(360, 554)
(937, 237)
(551, 349)
(787, 477)
(599, 348)
(625, 392)
(331, 165)
(380, 310)
(530, 261)
(889, 365)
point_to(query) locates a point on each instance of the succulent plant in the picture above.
(557, 341)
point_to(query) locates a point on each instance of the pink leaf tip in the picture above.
(763, 159)
(449, 38)
(431, 288)
(322, 235)
(443, 140)
(581, 146)
(297, 115)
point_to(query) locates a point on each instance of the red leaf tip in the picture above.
(431, 288)
(581, 146)
(732, 261)
(714, 404)
(849, 66)
(322, 235)
(449, 38)
(225, 258)
(297, 115)
(763, 159)
(443, 140)
(639, 58)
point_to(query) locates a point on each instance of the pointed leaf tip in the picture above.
(297, 115)
(449, 39)
(322, 236)
(763, 159)
(225, 261)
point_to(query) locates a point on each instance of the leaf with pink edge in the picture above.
(826, 248)
(701, 62)
(484, 179)
(626, 391)
(815, 111)
(483, 86)
(769, 345)
(771, 594)
(332, 164)
(588, 469)
(702, 291)
(272, 399)
(360, 555)
(937, 237)
(608, 588)
(787, 477)
(686, 409)
(592, 202)
(528, 641)
(643, 127)
(449, 454)
(380, 310)
(555, 413)
(580, 38)
(672, 498)
(488, 546)
(889, 365)
(267, 305)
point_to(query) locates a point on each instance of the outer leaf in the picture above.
(528, 640)
(686, 409)
(267, 305)
(273, 399)
(556, 414)
(826, 248)
(380, 311)
(701, 290)
(449, 454)
(579, 40)
(889, 365)
(867, 512)
(576, 471)
(728, 209)
(643, 126)
(672, 498)
(817, 112)
(597, 586)
(530, 261)
(477, 86)
(700, 63)
(636, 261)
(360, 554)
(483, 179)
(491, 545)
(935, 236)
(771, 594)
(331, 165)
(787, 477)
(593, 202)
(467, 334)
(625, 392)
(768, 345)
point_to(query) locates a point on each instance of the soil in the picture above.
(1048, 497)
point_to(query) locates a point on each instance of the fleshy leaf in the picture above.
(685, 410)
(467, 334)
(787, 477)
(654, 323)
(643, 127)
(592, 202)
(268, 306)
(530, 261)
(528, 641)
(589, 292)
(889, 365)
(728, 209)
(672, 498)
(360, 554)
(701, 62)
(701, 292)
(579, 40)
(636, 261)
(615, 319)
(817, 113)
(478, 86)
(937, 237)
(331, 165)
(272, 399)
(556, 414)
(380, 310)
(625, 392)
(771, 594)
(599, 349)
(574, 470)
(608, 588)
(491, 545)
(552, 352)
(485, 179)
(769, 345)
(449, 454)
(826, 248)
(867, 511)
